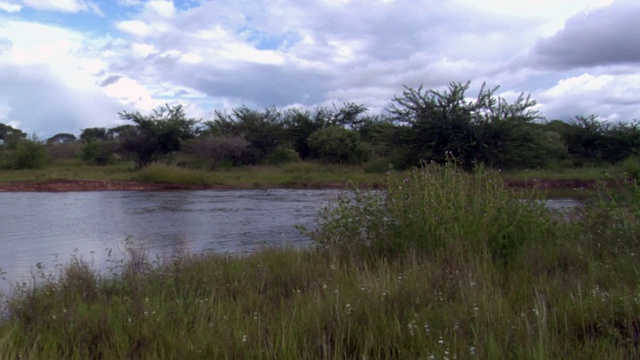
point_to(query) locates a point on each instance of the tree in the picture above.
(94, 134)
(263, 130)
(338, 145)
(161, 133)
(444, 124)
(61, 138)
(213, 149)
(9, 134)
(298, 126)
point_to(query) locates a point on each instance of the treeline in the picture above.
(420, 125)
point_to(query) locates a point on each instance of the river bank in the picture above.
(66, 185)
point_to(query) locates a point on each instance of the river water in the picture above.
(49, 228)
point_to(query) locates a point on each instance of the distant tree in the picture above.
(115, 132)
(9, 134)
(94, 134)
(213, 149)
(161, 133)
(298, 125)
(263, 130)
(61, 138)
(338, 145)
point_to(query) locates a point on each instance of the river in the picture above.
(49, 228)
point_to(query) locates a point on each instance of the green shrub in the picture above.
(631, 167)
(337, 145)
(281, 155)
(435, 208)
(99, 153)
(23, 154)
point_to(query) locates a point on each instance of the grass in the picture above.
(583, 173)
(443, 265)
(290, 175)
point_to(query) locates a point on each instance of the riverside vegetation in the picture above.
(445, 264)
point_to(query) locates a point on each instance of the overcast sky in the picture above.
(66, 65)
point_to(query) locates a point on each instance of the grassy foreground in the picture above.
(443, 265)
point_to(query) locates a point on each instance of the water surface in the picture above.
(48, 228)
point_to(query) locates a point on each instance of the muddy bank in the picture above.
(111, 185)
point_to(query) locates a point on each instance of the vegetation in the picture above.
(419, 125)
(446, 264)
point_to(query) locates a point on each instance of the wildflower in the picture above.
(244, 338)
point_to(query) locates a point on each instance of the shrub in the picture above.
(23, 154)
(282, 155)
(98, 152)
(435, 208)
(336, 145)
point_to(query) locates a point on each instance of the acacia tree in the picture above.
(263, 130)
(153, 136)
(448, 123)
(9, 134)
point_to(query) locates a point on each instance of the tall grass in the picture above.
(434, 208)
(443, 265)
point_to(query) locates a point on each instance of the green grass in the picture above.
(71, 170)
(289, 175)
(293, 175)
(583, 173)
(444, 265)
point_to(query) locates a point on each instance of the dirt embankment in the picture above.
(111, 185)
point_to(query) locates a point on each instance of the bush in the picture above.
(282, 155)
(23, 154)
(99, 153)
(433, 209)
(336, 145)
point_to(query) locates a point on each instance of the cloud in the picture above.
(65, 6)
(213, 54)
(608, 96)
(601, 37)
(5, 45)
(42, 102)
(9, 7)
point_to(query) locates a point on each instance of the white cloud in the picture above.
(260, 53)
(163, 8)
(134, 27)
(9, 7)
(608, 96)
(69, 6)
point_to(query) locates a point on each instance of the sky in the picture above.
(66, 65)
